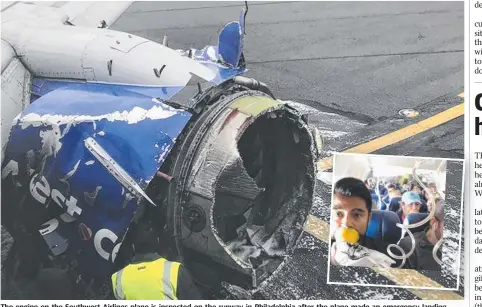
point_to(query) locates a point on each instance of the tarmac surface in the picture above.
(352, 67)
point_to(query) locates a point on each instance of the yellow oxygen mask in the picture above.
(348, 235)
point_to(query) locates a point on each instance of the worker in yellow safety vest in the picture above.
(152, 277)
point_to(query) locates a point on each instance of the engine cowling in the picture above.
(246, 177)
(228, 188)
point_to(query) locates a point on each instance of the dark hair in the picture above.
(145, 240)
(414, 184)
(393, 186)
(352, 187)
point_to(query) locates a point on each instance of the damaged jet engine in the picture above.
(222, 170)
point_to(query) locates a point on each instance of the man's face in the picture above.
(417, 190)
(410, 208)
(438, 227)
(350, 212)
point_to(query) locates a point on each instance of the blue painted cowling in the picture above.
(89, 150)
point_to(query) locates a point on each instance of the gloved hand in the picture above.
(348, 254)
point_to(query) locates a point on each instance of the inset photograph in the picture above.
(391, 212)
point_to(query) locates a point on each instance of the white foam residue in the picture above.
(89, 162)
(333, 117)
(72, 172)
(158, 113)
(325, 177)
(211, 52)
(51, 141)
(375, 295)
(16, 119)
(66, 130)
(101, 133)
(451, 212)
(136, 115)
(332, 134)
(303, 108)
(133, 116)
(450, 251)
(164, 151)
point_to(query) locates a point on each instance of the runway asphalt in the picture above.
(352, 66)
(363, 60)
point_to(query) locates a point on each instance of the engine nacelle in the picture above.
(228, 187)
(245, 186)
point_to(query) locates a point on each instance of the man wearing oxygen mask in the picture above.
(425, 241)
(351, 213)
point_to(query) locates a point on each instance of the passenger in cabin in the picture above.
(432, 187)
(405, 185)
(370, 186)
(395, 195)
(425, 241)
(415, 187)
(352, 207)
(383, 190)
(410, 203)
(434, 194)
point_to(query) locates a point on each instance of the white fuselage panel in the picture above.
(16, 87)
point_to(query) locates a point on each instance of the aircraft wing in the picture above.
(79, 13)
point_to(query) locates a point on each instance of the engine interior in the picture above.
(262, 199)
(247, 189)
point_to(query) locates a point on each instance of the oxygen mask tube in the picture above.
(432, 196)
(439, 173)
(408, 227)
(377, 191)
(379, 195)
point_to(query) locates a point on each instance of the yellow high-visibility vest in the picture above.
(152, 280)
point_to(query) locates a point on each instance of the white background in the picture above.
(472, 144)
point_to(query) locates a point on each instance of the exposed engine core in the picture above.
(245, 186)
